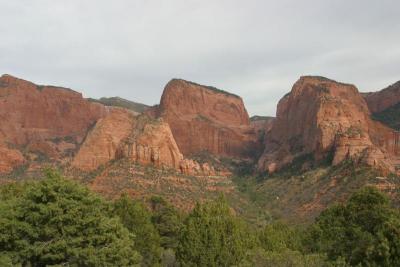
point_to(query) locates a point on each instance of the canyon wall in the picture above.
(321, 118)
(41, 120)
(204, 118)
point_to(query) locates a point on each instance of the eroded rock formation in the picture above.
(204, 118)
(102, 141)
(142, 140)
(47, 120)
(324, 119)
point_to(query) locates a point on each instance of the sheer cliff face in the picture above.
(207, 119)
(384, 99)
(322, 118)
(31, 112)
(41, 119)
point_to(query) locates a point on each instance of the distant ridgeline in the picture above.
(121, 102)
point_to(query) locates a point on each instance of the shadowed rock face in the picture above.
(324, 118)
(384, 99)
(207, 119)
(261, 125)
(45, 119)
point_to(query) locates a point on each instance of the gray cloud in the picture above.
(256, 49)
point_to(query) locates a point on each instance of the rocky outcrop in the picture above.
(124, 135)
(46, 120)
(9, 159)
(383, 99)
(150, 142)
(324, 119)
(204, 118)
(102, 141)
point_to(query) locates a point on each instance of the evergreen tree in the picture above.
(167, 221)
(364, 231)
(58, 222)
(137, 219)
(213, 236)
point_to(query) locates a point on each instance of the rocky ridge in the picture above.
(204, 118)
(138, 138)
(383, 99)
(41, 121)
(326, 119)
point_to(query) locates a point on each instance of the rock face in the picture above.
(140, 139)
(48, 120)
(204, 118)
(9, 159)
(384, 99)
(261, 125)
(151, 142)
(102, 141)
(323, 119)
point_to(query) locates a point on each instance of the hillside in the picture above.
(389, 117)
(121, 102)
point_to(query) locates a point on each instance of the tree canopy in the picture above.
(365, 230)
(213, 236)
(55, 221)
(58, 222)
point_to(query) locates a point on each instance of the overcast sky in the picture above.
(256, 49)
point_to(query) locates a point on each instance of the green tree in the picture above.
(137, 219)
(213, 236)
(58, 222)
(278, 236)
(167, 221)
(287, 258)
(364, 231)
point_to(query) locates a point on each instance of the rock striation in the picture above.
(324, 119)
(204, 118)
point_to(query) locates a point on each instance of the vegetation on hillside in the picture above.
(56, 222)
(120, 102)
(261, 118)
(298, 195)
(389, 117)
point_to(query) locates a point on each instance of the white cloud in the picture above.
(256, 49)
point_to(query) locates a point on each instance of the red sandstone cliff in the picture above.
(42, 119)
(204, 118)
(140, 139)
(381, 100)
(323, 118)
